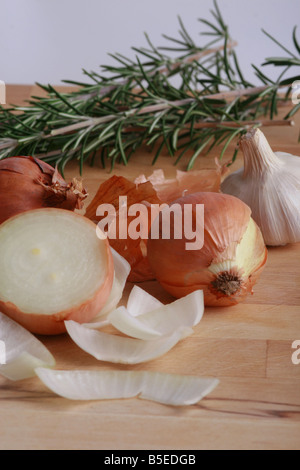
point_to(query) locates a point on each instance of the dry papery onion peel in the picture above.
(151, 333)
(185, 182)
(21, 351)
(154, 190)
(168, 389)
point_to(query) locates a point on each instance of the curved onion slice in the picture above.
(140, 302)
(22, 351)
(186, 311)
(112, 348)
(169, 389)
(122, 270)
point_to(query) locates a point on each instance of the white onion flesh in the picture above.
(22, 351)
(122, 271)
(169, 389)
(184, 312)
(50, 262)
(122, 350)
(140, 302)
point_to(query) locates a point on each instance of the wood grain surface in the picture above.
(248, 347)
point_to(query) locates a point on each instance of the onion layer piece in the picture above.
(184, 312)
(121, 273)
(229, 263)
(118, 349)
(53, 268)
(22, 352)
(157, 327)
(156, 190)
(140, 302)
(169, 389)
(28, 183)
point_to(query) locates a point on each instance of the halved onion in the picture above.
(53, 268)
(184, 312)
(118, 349)
(169, 389)
(21, 351)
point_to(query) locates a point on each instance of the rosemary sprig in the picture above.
(135, 101)
(291, 60)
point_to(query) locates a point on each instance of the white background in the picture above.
(50, 40)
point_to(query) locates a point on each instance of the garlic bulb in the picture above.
(269, 184)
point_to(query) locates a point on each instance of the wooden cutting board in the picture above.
(248, 347)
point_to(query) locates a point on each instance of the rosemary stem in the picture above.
(154, 108)
(227, 124)
(196, 56)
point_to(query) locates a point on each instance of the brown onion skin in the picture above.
(54, 324)
(28, 183)
(181, 271)
(154, 190)
(108, 193)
